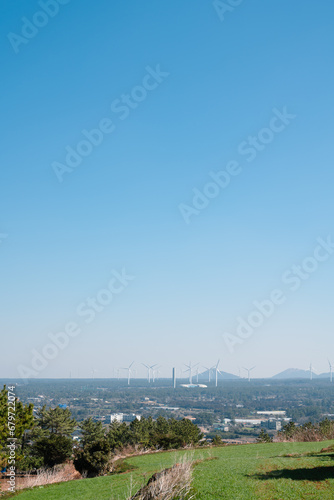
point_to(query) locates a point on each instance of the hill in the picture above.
(245, 472)
(294, 373)
(221, 376)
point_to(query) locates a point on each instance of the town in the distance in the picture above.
(234, 408)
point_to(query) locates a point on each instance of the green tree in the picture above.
(54, 449)
(326, 428)
(94, 458)
(24, 418)
(288, 431)
(91, 431)
(263, 437)
(118, 435)
(56, 421)
(94, 454)
(51, 437)
(217, 440)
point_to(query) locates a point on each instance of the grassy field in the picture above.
(272, 471)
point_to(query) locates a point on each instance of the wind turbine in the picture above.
(189, 369)
(155, 371)
(129, 371)
(149, 371)
(216, 372)
(197, 375)
(330, 371)
(311, 372)
(209, 372)
(248, 370)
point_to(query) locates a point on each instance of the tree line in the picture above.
(321, 431)
(44, 438)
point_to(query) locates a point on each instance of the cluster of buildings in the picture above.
(265, 419)
(122, 417)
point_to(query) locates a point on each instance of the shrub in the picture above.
(94, 459)
(307, 432)
(169, 484)
(54, 449)
(263, 437)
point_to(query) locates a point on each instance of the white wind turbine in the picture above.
(129, 372)
(330, 371)
(149, 371)
(209, 372)
(313, 371)
(189, 369)
(197, 375)
(155, 371)
(248, 370)
(216, 372)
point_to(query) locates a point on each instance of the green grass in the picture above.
(247, 472)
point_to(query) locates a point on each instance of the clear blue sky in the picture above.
(120, 207)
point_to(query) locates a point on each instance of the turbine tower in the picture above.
(174, 378)
(248, 370)
(129, 372)
(149, 371)
(311, 372)
(216, 372)
(189, 369)
(330, 371)
(209, 372)
(155, 371)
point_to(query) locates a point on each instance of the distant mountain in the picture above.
(294, 373)
(223, 376)
(324, 375)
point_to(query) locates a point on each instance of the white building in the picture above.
(272, 413)
(115, 417)
(123, 417)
